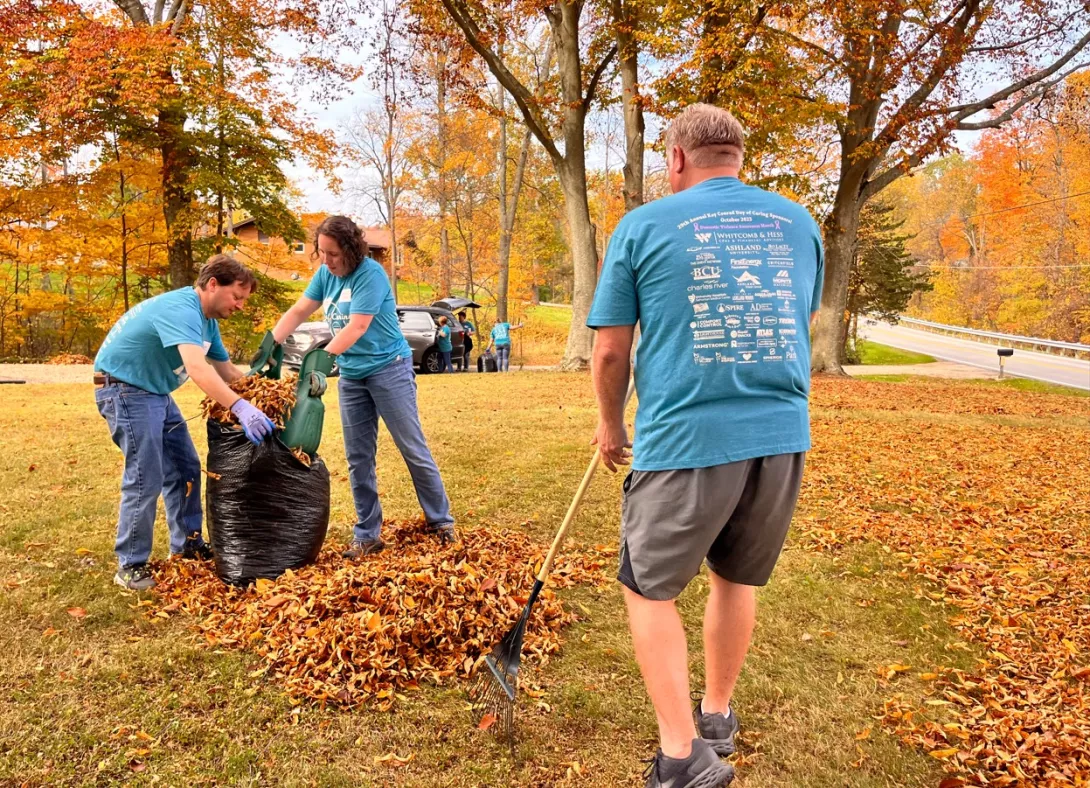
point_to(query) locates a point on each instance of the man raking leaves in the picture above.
(722, 279)
(149, 353)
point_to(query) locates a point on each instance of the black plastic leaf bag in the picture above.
(267, 511)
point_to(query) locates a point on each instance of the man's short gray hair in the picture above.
(710, 136)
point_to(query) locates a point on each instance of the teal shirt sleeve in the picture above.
(216, 351)
(615, 302)
(176, 329)
(316, 289)
(369, 291)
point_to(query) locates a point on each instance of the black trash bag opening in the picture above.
(267, 511)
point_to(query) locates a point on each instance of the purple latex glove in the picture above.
(255, 424)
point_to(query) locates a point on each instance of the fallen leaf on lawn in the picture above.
(487, 721)
(944, 753)
(77, 612)
(393, 759)
(83, 551)
(863, 734)
(137, 766)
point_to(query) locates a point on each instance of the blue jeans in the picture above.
(160, 458)
(390, 394)
(445, 364)
(503, 358)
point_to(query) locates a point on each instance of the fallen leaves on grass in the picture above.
(346, 633)
(995, 520)
(939, 396)
(77, 612)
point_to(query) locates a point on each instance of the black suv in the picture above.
(419, 324)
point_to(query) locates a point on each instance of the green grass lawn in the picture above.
(87, 701)
(874, 354)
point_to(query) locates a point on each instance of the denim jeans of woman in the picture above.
(445, 364)
(389, 394)
(160, 459)
(503, 358)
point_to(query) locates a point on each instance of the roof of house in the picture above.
(376, 237)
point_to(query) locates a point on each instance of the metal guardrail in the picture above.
(1014, 339)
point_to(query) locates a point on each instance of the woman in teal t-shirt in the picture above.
(377, 378)
(445, 345)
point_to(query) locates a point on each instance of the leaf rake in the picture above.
(493, 694)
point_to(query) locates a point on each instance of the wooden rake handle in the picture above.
(547, 564)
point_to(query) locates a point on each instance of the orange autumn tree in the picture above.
(196, 82)
(886, 83)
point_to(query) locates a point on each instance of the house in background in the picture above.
(295, 261)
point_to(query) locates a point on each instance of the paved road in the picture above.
(1024, 363)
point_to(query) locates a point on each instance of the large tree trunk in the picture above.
(573, 180)
(176, 195)
(508, 211)
(841, 234)
(572, 170)
(628, 52)
(505, 231)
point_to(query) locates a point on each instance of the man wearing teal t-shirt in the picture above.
(152, 350)
(722, 279)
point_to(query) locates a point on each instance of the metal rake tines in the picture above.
(493, 704)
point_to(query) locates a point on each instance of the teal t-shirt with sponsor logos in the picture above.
(142, 347)
(501, 334)
(366, 291)
(721, 278)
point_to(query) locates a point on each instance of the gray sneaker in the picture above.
(444, 533)
(718, 730)
(360, 549)
(135, 578)
(702, 769)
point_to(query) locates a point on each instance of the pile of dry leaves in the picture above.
(997, 520)
(275, 398)
(70, 359)
(349, 633)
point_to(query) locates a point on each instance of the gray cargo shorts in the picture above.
(734, 516)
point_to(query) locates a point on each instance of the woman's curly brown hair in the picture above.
(348, 236)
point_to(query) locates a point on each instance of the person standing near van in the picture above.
(501, 339)
(468, 329)
(446, 347)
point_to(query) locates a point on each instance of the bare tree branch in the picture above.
(459, 12)
(1015, 44)
(592, 88)
(825, 53)
(179, 16)
(1038, 93)
(157, 16)
(962, 111)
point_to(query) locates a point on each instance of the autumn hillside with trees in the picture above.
(499, 144)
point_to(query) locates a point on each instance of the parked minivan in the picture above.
(419, 324)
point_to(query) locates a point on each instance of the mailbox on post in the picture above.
(1004, 353)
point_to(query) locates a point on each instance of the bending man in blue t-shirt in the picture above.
(722, 279)
(377, 378)
(150, 352)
